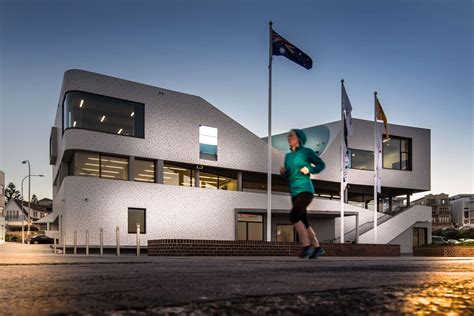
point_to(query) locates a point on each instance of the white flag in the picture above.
(347, 107)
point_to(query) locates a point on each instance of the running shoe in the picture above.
(318, 252)
(306, 252)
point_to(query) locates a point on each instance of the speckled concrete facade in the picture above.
(172, 122)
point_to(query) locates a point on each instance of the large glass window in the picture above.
(249, 227)
(95, 165)
(103, 114)
(207, 142)
(361, 159)
(176, 175)
(144, 170)
(213, 181)
(113, 167)
(136, 216)
(397, 153)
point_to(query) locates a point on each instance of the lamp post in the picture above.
(21, 206)
(29, 198)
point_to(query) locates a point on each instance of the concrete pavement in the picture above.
(45, 283)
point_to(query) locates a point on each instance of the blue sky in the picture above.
(416, 54)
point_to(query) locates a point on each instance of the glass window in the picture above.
(397, 153)
(113, 167)
(144, 170)
(175, 175)
(207, 142)
(213, 181)
(208, 180)
(285, 233)
(103, 114)
(361, 159)
(86, 164)
(249, 227)
(136, 215)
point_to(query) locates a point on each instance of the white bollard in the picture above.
(87, 242)
(75, 242)
(101, 241)
(117, 239)
(138, 239)
(54, 243)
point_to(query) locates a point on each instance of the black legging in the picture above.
(300, 203)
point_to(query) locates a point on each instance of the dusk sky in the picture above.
(416, 54)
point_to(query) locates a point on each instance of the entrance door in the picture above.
(249, 227)
(419, 237)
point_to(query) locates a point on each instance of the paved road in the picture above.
(35, 280)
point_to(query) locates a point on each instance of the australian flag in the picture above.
(281, 46)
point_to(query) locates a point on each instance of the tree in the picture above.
(34, 199)
(11, 192)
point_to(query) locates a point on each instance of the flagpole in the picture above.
(376, 177)
(342, 165)
(269, 162)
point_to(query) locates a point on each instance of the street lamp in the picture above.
(21, 206)
(29, 199)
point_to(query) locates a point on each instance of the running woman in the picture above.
(300, 162)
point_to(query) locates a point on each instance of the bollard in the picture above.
(101, 241)
(138, 239)
(87, 242)
(64, 243)
(54, 244)
(75, 242)
(117, 239)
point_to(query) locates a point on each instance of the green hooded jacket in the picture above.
(297, 159)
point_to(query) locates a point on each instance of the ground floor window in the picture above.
(419, 237)
(136, 216)
(286, 233)
(249, 226)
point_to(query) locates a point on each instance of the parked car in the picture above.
(41, 239)
(467, 241)
(438, 240)
(453, 241)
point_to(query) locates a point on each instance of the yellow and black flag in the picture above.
(380, 115)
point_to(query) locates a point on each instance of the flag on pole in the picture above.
(380, 115)
(347, 110)
(281, 47)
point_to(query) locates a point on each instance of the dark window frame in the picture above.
(93, 130)
(142, 231)
(409, 153)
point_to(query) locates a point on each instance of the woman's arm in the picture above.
(316, 164)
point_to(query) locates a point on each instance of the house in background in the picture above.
(440, 209)
(17, 215)
(462, 207)
(2, 207)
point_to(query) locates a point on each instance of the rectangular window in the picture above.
(397, 153)
(175, 175)
(249, 227)
(97, 165)
(136, 215)
(207, 142)
(113, 167)
(361, 159)
(103, 114)
(144, 170)
(213, 181)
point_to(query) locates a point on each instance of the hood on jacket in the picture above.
(301, 136)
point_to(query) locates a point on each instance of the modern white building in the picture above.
(125, 153)
(462, 208)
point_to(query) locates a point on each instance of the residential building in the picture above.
(462, 207)
(441, 209)
(15, 215)
(125, 153)
(2, 207)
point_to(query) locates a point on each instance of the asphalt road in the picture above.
(34, 281)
